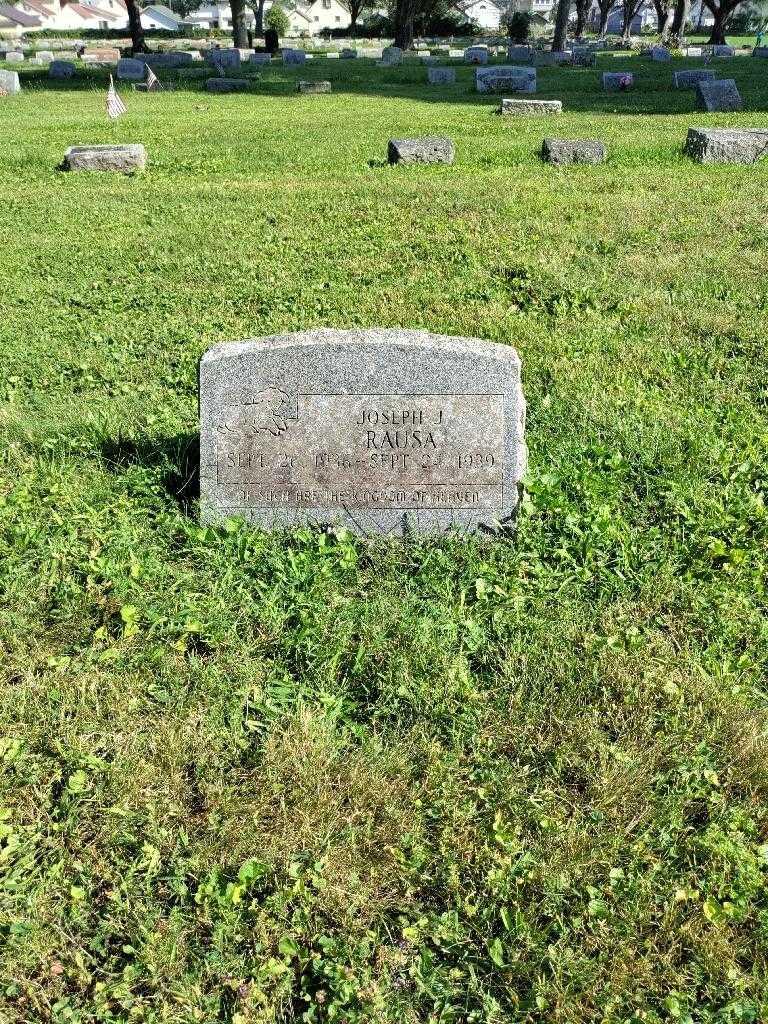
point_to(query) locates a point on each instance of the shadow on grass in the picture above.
(173, 461)
(580, 89)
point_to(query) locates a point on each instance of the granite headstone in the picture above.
(718, 97)
(380, 431)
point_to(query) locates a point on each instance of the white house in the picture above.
(485, 13)
(214, 15)
(304, 18)
(323, 14)
(15, 22)
(58, 14)
(160, 16)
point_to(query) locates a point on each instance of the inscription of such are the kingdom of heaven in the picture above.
(396, 451)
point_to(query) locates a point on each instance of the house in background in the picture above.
(58, 14)
(15, 22)
(159, 16)
(214, 15)
(485, 13)
(324, 14)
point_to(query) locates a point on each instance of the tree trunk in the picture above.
(667, 26)
(561, 24)
(603, 27)
(580, 19)
(720, 14)
(258, 18)
(134, 27)
(629, 16)
(405, 12)
(679, 22)
(661, 14)
(582, 10)
(239, 24)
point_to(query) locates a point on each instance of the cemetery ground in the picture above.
(259, 777)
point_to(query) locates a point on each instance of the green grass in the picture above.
(260, 778)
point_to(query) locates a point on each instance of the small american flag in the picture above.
(115, 106)
(153, 82)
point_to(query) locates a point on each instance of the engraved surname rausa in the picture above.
(365, 451)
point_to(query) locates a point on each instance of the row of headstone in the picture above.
(705, 145)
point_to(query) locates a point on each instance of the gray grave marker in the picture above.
(530, 108)
(505, 78)
(726, 145)
(718, 97)
(690, 79)
(441, 76)
(61, 69)
(131, 70)
(9, 83)
(430, 149)
(122, 158)
(294, 56)
(381, 431)
(476, 55)
(573, 151)
(618, 81)
(313, 88)
(228, 84)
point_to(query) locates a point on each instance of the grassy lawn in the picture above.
(259, 778)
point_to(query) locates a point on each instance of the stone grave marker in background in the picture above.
(530, 108)
(101, 55)
(313, 88)
(726, 145)
(573, 151)
(429, 149)
(690, 79)
(583, 56)
(618, 81)
(14, 57)
(552, 58)
(131, 70)
(181, 59)
(718, 97)
(381, 431)
(9, 83)
(122, 158)
(61, 69)
(392, 55)
(441, 76)
(228, 84)
(224, 59)
(505, 78)
(517, 52)
(476, 55)
(294, 56)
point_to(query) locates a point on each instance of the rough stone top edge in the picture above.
(102, 147)
(363, 336)
(705, 130)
